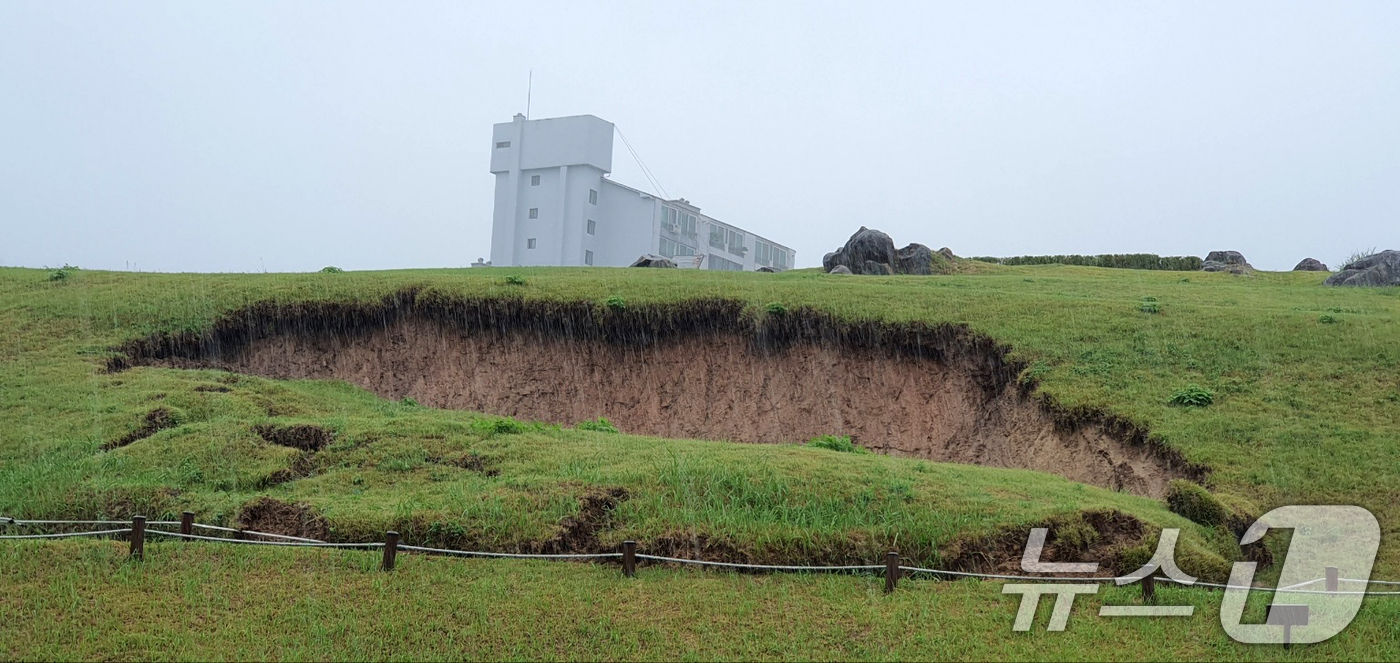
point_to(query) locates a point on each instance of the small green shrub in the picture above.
(408, 401)
(840, 443)
(1149, 299)
(776, 308)
(63, 273)
(1195, 503)
(331, 269)
(1193, 396)
(616, 303)
(500, 426)
(515, 279)
(601, 425)
(1327, 320)
(1150, 307)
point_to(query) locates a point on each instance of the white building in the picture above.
(556, 206)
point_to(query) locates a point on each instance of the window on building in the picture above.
(502, 144)
(724, 264)
(780, 258)
(671, 248)
(588, 257)
(592, 197)
(592, 227)
(717, 236)
(534, 180)
(530, 243)
(688, 225)
(762, 252)
(736, 242)
(534, 212)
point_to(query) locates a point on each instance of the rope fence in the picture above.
(892, 570)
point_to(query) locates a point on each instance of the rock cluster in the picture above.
(1226, 261)
(872, 252)
(1379, 269)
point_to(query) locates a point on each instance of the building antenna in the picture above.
(529, 91)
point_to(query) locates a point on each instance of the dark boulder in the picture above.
(1229, 257)
(652, 260)
(1310, 265)
(865, 245)
(1226, 261)
(840, 269)
(872, 268)
(831, 260)
(869, 245)
(914, 259)
(947, 253)
(767, 270)
(1379, 269)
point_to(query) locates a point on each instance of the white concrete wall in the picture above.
(627, 222)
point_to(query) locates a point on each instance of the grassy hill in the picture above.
(1305, 409)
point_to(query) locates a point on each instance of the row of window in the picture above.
(671, 249)
(767, 254)
(724, 264)
(678, 221)
(728, 239)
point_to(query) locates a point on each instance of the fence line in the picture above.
(892, 569)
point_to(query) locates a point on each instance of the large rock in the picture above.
(1311, 265)
(865, 245)
(653, 260)
(872, 268)
(914, 259)
(766, 270)
(1226, 261)
(840, 269)
(1380, 269)
(831, 260)
(947, 253)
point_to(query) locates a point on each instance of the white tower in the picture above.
(549, 176)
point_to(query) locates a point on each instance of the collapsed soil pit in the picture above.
(700, 369)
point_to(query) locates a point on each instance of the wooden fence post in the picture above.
(187, 522)
(138, 537)
(629, 559)
(1149, 587)
(391, 550)
(891, 571)
(1333, 578)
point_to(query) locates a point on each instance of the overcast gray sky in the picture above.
(240, 136)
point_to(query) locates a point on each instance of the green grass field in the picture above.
(1306, 409)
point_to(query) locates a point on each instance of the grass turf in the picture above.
(84, 600)
(1306, 409)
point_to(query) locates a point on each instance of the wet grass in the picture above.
(1301, 412)
(84, 601)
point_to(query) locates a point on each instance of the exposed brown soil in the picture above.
(265, 514)
(300, 436)
(580, 533)
(302, 466)
(701, 369)
(1095, 536)
(156, 420)
(212, 388)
